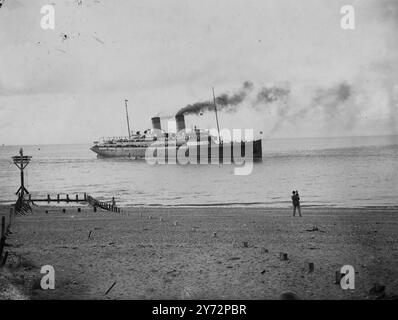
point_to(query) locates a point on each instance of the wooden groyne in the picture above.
(59, 198)
(109, 206)
(77, 198)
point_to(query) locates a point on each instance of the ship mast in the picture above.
(215, 109)
(127, 117)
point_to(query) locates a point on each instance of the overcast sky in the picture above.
(162, 55)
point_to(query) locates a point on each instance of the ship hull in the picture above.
(223, 151)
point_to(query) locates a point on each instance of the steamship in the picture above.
(198, 143)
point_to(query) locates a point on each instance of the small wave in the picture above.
(216, 204)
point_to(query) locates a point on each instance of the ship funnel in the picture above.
(156, 123)
(180, 122)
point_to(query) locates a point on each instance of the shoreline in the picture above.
(209, 206)
(199, 253)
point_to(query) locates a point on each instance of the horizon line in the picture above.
(286, 138)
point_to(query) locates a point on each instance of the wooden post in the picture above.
(58, 198)
(2, 243)
(3, 226)
(67, 198)
(3, 238)
(85, 196)
(21, 162)
(77, 198)
(338, 277)
(3, 263)
(11, 212)
(111, 287)
(48, 198)
(95, 209)
(283, 256)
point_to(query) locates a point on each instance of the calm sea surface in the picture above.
(342, 172)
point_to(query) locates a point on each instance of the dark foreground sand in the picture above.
(150, 257)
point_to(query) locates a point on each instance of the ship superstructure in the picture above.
(199, 141)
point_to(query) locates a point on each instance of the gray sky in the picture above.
(163, 55)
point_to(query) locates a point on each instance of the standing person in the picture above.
(296, 202)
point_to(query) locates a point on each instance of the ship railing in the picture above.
(120, 138)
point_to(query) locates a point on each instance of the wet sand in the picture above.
(200, 253)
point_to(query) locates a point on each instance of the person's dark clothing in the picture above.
(296, 204)
(296, 200)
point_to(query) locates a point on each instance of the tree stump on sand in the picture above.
(289, 296)
(283, 256)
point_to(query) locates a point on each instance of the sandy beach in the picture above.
(200, 253)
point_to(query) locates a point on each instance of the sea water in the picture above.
(339, 172)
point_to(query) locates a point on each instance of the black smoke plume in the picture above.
(225, 102)
(331, 99)
(272, 94)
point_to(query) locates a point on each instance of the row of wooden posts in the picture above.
(59, 198)
(103, 205)
(5, 233)
(109, 206)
